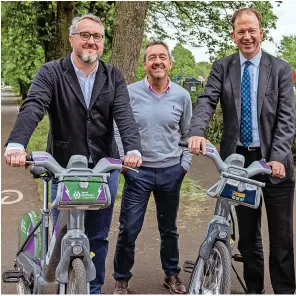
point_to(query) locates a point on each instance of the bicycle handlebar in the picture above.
(257, 167)
(212, 153)
(77, 165)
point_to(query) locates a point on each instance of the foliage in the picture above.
(223, 52)
(22, 52)
(28, 28)
(287, 50)
(195, 94)
(203, 69)
(183, 62)
(199, 23)
(215, 128)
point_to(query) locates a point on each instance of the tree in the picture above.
(22, 51)
(31, 26)
(36, 32)
(128, 35)
(199, 23)
(56, 43)
(184, 63)
(203, 69)
(287, 50)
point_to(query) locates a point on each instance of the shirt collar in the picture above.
(150, 88)
(79, 72)
(255, 60)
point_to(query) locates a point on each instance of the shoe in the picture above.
(121, 287)
(174, 284)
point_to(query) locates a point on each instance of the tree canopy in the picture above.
(34, 31)
(183, 62)
(202, 23)
(287, 50)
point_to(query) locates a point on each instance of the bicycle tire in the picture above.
(77, 278)
(205, 280)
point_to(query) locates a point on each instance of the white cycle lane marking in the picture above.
(6, 200)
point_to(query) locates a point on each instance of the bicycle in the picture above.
(211, 272)
(65, 265)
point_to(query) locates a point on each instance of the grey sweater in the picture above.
(163, 120)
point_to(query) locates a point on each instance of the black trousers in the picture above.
(278, 200)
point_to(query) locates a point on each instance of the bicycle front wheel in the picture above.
(77, 278)
(212, 276)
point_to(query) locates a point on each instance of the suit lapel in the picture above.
(98, 84)
(72, 79)
(264, 73)
(235, 77)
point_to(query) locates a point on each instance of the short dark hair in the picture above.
(156, 42)
(247, 10)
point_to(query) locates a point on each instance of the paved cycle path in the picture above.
(13, 203)
(148, 276)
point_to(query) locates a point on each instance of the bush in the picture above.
(215, 128)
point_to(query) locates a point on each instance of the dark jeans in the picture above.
(165, 183)
(278, 200)
(97, 226)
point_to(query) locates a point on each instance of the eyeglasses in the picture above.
(85, 36)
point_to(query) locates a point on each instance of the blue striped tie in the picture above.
(246, 113)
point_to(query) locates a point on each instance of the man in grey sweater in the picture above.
(162, 110)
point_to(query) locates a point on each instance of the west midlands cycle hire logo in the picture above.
(76, 195)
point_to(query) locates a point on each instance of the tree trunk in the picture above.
(24, 87)
(128, 35)
(59, 46)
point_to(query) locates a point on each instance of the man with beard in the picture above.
(257, 100)
(162, 110)
(82, 96)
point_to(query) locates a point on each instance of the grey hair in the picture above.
(78, 19)
(156, 42)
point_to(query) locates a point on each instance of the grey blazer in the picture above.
(275, 108)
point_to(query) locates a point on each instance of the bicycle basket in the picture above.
(238, 192)
(83, 193)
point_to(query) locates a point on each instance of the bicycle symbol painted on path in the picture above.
(11, 196)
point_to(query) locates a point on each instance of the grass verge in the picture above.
(38, 143)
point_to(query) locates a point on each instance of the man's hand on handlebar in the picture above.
(132, 160)
(278, 169)
(15, 157)
(196, 144)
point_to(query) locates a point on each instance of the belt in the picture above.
(242, 149)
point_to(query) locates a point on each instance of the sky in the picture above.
(286, 25)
